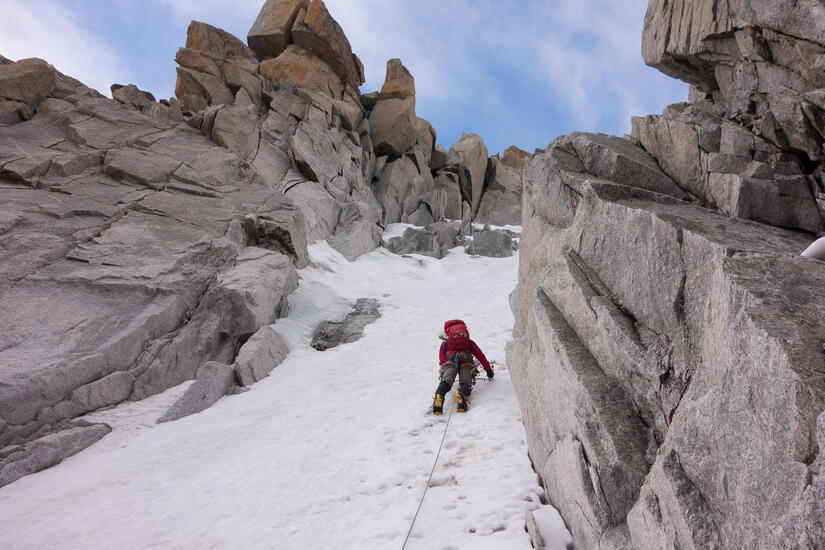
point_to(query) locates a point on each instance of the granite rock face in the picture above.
(392, 119)
(668, 342)
(264, 351)
(501, 202)
(143, 239)
(50, 449)
(655, 325)
(434, 240)
(272, 31)
(493, 243)
(214, 380)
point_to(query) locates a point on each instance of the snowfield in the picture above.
(331, 451)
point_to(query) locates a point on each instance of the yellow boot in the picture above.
(463, 402)
(438, 404)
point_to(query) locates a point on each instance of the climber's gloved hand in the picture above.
(490, 373)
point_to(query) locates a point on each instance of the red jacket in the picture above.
(474, 349)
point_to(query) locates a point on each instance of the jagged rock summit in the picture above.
(668, 349)
(144, 239)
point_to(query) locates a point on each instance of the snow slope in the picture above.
(331, 451)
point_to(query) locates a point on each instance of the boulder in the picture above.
(13, 112)
(501, 201)
(272, 31)
(28, 81)
(468, 157)
(357, 232)
(493, 243)
(395, 127)
(315, 30)
(214, 380)
(330, 334)
(259, 283)
(265, 350)
(196, 91)
(300, 67)
(446, 233)
(46, 451)
(214, 66)
(133, 97)
(219, 44)
(434, 240)
(398, 83)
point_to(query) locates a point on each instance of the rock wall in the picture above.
(668, 351)
(141, 240)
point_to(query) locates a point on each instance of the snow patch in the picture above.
(332, 450)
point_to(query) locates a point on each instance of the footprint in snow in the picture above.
(443, 481)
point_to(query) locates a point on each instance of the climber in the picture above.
(456, 358)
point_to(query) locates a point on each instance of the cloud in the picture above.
(516, 72)
(47, 30)
(582, 57)
(216, 12)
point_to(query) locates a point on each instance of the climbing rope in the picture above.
(429, 479)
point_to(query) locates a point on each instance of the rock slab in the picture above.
(330, 334)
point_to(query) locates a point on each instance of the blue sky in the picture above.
(520, 72)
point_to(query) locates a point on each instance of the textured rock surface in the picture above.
(214, 380)
(264, 351)
(44, 452)
(493, 243)
(137, 248)
(760, 61)
(431, 240)
(501, 202)
(272, 31)
(303, 69)
(467, 159)
(315, 30)
(668, 341)
(392, 119)
(330, 334)
(647, 329)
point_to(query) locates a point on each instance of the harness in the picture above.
(460, 359)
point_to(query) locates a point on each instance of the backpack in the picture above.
(458, 337)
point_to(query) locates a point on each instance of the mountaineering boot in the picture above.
(463, 402)
(438, 404)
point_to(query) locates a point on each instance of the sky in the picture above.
(518, 72)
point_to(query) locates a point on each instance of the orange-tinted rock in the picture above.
(28, 81)
(319, 33)
(393, 121)
(514, 157)
(272, 31)
(197, 61)
(301, 68)
(197, 90)
(398, 83)
(218, 43)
